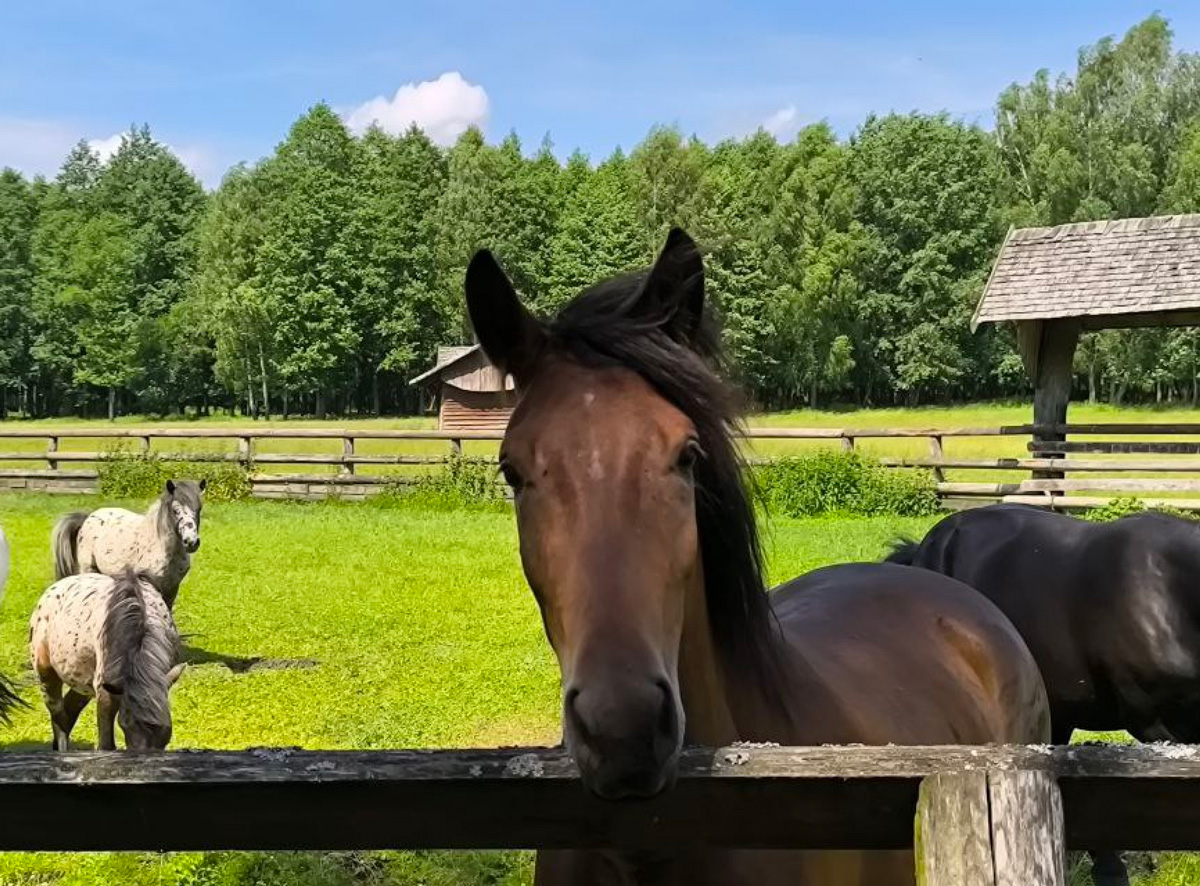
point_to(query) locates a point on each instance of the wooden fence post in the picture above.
(348, 452)
(1028, 843)
(936, 452)
(952, 845)
(52, 447)
(847, 443)
(456, 446)
(245, 451)
(145, 444)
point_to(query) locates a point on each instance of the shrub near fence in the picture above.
(829, 482)
(125, 473)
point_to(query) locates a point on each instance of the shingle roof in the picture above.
(1131, 266)
(446, 354)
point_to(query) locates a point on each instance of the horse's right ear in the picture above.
(170, 487)
(509, 335)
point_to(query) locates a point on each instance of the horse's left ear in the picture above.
(175, 673)
(203, 484)
(674, 288)
(509, 335)
(170, 487)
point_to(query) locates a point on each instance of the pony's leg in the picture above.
(107, 705)
(73, 705)
(51, 686)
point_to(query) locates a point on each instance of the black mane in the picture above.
(606, 325)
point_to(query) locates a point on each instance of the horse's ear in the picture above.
(113, 688)
(509, 335)
(203, 483)
(674, 288)
(175, 673)
(170, 487)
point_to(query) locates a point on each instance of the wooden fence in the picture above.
(984, 816)
(1038, 467)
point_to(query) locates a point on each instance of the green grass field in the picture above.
(376, 628)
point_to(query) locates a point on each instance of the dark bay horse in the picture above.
(1111, 612)
(639, 541)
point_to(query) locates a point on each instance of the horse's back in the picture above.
(108, 540)
(65, 628)
(1111, 611)
(914, 657)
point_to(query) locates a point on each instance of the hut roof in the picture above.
(1105, 270)
(447, 355)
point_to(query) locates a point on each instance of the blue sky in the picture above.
(221, 81)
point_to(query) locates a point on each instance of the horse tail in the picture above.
(903, 551)
(124, 629)
(64, 541)
(9, 699)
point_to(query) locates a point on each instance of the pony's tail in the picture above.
(64, 541)
(903, 551)
(124, 629)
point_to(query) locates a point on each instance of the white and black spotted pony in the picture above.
(158, 544)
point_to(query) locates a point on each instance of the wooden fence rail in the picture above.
(986, 815)
(1055, 473)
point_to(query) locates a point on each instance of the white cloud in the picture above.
(106, 147)
(443, 108)
(784, 123)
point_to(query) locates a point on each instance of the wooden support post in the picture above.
(145, 444)
(245, 451)
(456, 446)
(935, 452)
(994, 828)
(51, 447)
(847, 444)
(348, 451)
(1048, 350)
(952, 844)
(1028, 843)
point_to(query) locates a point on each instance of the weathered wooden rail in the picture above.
(985, 816)
(1065, 474)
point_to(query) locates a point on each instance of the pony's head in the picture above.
(630, 508)
(140, 663)
(182, 501)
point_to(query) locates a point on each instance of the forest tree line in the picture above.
(325, 276)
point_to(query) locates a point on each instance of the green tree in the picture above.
(18, 218)
(305, 260)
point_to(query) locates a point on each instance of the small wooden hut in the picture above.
(474, 394)
(1054, 283)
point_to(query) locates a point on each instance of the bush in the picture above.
(1122, 507)
(129, 474)
(830, 482)
(462, 482)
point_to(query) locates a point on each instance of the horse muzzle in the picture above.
(191, 545)
(625, 740)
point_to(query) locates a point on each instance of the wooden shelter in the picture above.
(475, 395)
(1054, 283)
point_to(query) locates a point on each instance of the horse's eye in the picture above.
(511, 476)
(688, 456)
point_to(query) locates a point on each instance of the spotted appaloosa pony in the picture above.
(159, 543)
(1111, 612)
(112, 639)
(639, 541)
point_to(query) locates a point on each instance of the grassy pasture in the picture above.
(421, 630)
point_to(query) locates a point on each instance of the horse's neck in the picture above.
(702, 685)
(154, 529)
